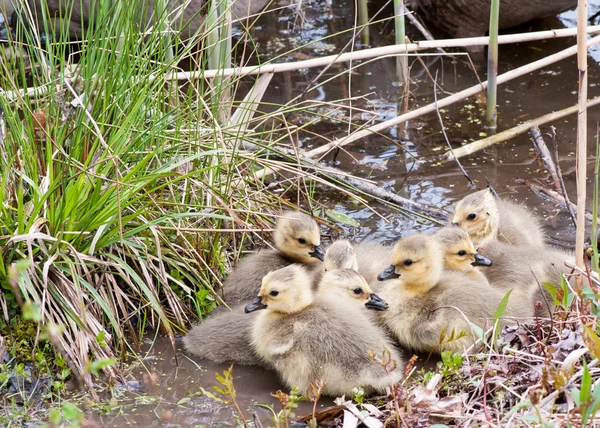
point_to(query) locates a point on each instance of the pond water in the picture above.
(400, 159)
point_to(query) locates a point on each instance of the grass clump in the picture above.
(115, 181)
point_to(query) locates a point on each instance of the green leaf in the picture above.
(576, 396)
(502, 306)
(71, 412)
(586, 385)
(183, 401)
(592, 341)
(479, 333)
(94, 367)
(31, 312)
(342, 218)
(553, 292)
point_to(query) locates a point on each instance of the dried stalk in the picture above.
(582, 14)
(380, 51)
(542, 149)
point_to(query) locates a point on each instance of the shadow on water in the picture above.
(399, 160)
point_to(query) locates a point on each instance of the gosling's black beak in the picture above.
(318, 253)
(255, 305)
(376, 303)
(388, 273)
(456, 223)
(481, 261)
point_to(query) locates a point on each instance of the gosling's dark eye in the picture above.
(471, 216)
(302, 241)
(462, 253)
(358, 290)
(274, 293)
(408, 262)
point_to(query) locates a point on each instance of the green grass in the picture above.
(115, 181)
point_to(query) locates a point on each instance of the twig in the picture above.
(378, 192)
(517, 130)
(419, 26)
(540, 147)
(437, 110)
(560, 177)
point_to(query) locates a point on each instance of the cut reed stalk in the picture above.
(581, 164)
(492, 70)
(400, 33)
(363, 21)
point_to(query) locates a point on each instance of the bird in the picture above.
(429, 307)
(372, 258)
(308, 336)
(460, 254)
(225, 337)
(487, 218)
(297, 240)
(340, 255)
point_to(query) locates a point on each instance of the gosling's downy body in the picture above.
(460, 254)
(224, 337)
(426, 302)
(486, 218)
(340, 255)
(372, 259)
(526, 269)
(307, 337)
(297, 240)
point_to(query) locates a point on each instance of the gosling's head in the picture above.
(349, 284)
(477, 213)
(286, 290)
(297, 236)
(459, 251)
(418, 261)
(340, 255)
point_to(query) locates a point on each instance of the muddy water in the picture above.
(402, 160)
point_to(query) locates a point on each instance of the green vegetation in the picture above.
(121, 188)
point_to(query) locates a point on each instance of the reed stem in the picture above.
(363, 21)
(492, 71)
(400, 30)
(581, 164)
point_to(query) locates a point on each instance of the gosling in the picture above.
(307, 337)
(427, 310)
(340, 255)
(225, 337)
(372, 259)
(460, 254)
(486, 218)
(297, 240)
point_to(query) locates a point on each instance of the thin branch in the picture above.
(560, 177)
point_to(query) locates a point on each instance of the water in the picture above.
(399, 160)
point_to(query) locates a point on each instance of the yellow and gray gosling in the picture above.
(429, 307)
(459, 253)
(297, 240)
(306, 337)
(486, 218)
